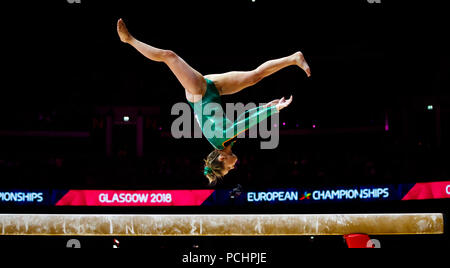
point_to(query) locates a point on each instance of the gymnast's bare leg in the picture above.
(194, 82)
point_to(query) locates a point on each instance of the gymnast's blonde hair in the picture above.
(213, 167)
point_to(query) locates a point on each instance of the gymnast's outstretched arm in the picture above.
(254, 116)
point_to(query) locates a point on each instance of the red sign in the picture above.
(134, 198)
(429, 190)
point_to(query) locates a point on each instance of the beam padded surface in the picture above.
(220, 225)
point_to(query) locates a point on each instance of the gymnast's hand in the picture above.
(272, 103)
(281, 104)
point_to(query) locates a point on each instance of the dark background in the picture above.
(64, 69)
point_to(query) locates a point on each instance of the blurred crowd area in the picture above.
(45, 156)
(375, 110)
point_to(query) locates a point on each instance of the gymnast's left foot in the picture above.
(301, 62)
(123, 33)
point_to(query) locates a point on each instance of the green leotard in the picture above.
(216, 127)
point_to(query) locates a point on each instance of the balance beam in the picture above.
(220, 225)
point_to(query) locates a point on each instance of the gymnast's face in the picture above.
(229, 161)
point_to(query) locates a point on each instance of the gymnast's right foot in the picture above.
(122, 30)
(301, 62)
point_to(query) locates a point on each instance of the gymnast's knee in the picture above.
(255, 77)
(168, 56)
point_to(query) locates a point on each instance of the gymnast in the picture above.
(202, 90)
